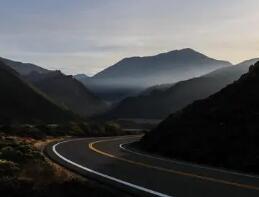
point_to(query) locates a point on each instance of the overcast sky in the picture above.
(85, 36)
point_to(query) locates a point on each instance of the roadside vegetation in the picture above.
(75, 129)
(24, 171)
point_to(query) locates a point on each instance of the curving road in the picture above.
(109, 161)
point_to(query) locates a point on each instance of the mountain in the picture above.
(23, 68)
(166, 67)
(20, 102)
(134, 74)
(63, 90)
(221, 130)
(67, 91)
(159, 101)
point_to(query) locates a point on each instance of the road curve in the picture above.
(106, 160)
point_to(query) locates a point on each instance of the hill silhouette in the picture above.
(67, 91)
(221, 130)
(23, 68)
(20, 102)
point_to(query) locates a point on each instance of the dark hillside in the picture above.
(222, 130)
(21, 102)
(67, 91)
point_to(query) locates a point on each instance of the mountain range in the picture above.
(64, 90)
(132, 75)
(158, 102)
(221, 130)
(155, 102)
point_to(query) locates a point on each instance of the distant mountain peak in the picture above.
(142, 72)
(183, 53)
(185, 50)
(179, 52)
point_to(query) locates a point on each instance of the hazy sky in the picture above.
(85, 36)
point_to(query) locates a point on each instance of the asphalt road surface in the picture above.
(110, 161)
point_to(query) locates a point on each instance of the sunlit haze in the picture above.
(83, 36)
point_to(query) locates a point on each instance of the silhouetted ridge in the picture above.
(20, 102)
(23, 68)
(69, 92)
(222, 130)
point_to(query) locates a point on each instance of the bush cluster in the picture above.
(79, 129)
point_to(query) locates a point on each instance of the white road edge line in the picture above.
(122, 146)
(104, 175)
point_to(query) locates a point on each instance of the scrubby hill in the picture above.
(222, 130)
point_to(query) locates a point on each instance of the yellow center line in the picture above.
(176, 172)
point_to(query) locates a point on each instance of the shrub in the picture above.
(11, 154)
(75, 129)
(8, 168)
(112, 129)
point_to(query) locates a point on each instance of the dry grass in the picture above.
(61, 174)
(40, 144)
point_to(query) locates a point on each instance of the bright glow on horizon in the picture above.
(85, 36)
